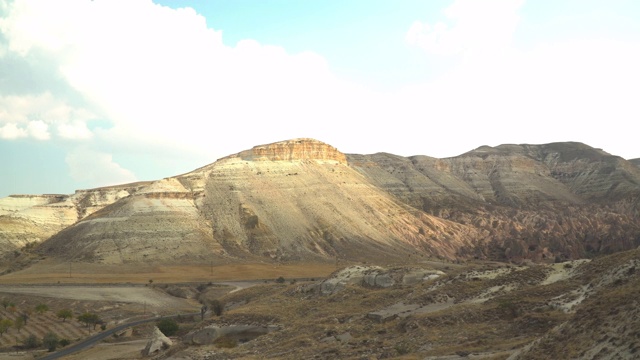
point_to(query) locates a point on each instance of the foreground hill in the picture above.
(583, 309)
(303, 199)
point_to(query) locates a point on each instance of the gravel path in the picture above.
(126, 294)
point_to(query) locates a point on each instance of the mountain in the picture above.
(303, 199)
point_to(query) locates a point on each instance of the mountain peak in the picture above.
(292, 150)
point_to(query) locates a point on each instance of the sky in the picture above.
(104, 92)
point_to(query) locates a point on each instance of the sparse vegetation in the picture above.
(5, 325)
(89, 319)
(18, 323)
(42, 308)
(31, 342)
(6, 303)
(216, 306)
(226, 342)
(64, 314)
(50, 341)
(169, 327)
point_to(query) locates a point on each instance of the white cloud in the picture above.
(163, 79)
(11, 131)
(74, 130)
(172, 82)
(31, 115)
(471, 26)
(38, 130)
(571, 89)
(96, 169)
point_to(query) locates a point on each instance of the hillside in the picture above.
(303, 199)
(574, 310)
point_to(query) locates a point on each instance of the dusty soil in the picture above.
(51, 271)
(150, 296)
(119, 294)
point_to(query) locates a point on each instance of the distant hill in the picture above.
(303, 199)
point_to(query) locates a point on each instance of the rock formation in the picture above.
(157, 342)
(303, 199)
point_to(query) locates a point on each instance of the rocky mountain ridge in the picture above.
(303, 199)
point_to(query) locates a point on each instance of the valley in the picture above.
(301, 251)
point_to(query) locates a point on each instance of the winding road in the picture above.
(87, 343)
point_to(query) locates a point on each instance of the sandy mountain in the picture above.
(303, 199)
(290, 200)
(538, 202)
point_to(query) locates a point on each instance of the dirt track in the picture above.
(125, 294)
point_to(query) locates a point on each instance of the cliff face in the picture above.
(303, 199)
(292, 150)
(26, 219)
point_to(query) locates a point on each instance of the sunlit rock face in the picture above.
(291, 150)
(26, 219)
(303, 199)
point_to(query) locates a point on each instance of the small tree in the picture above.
(25, 316)
(42, 308)
(89, 319)
(168, 327)
(5, 324)
(64, 314)
(50, 341)
(18, 323)
(31, 342)
(216, 306)
(5, 303)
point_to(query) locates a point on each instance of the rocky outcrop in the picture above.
(291, 150)
(372, 276)
(156, 343)
(210, 334)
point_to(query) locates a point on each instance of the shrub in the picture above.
(31, 342)
(280, 280)
(42, 308)
(217, 307)
(225, 342)
(64, 342)
(89, 319)
(5, 324)
(64, 314)
(50, 341)
(169, 327)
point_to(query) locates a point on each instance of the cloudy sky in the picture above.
(102, 92)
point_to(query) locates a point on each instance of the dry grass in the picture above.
(53, 272)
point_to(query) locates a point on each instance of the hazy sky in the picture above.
(101, 92)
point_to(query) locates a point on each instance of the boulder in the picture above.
(157, 342)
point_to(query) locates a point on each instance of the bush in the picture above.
(42, 308)
(217, 307)
(225, 342)
(64, 342)
(169, 327)
(31, 342)
(50, 341)
(280, 280)
(64, 314)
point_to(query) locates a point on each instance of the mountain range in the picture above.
(302, 199)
